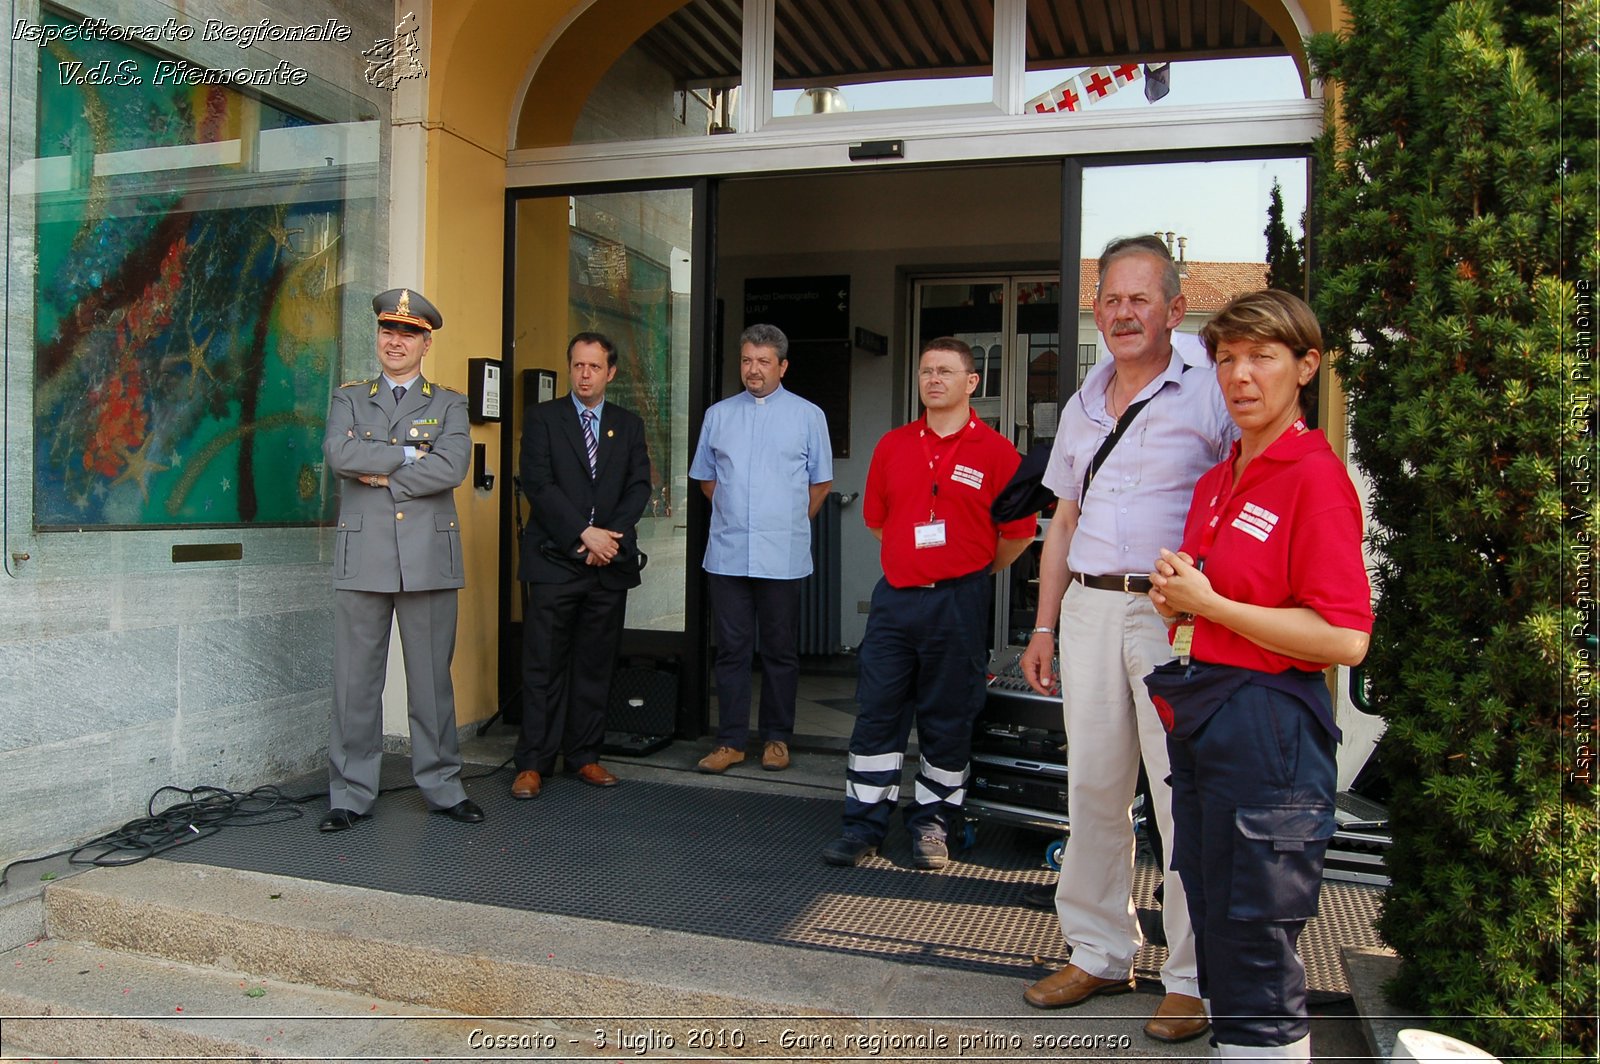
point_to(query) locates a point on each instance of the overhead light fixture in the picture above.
(821, 101)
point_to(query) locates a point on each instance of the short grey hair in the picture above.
(1146, 244)
(762, 335)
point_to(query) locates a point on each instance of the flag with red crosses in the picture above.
(1092, 86)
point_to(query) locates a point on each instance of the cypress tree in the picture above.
(1285, 257)
(1456, 202)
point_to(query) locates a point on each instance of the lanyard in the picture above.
(949, 462)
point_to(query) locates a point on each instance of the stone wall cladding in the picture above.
(120, 671)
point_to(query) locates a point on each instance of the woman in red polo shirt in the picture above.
(1268, 589)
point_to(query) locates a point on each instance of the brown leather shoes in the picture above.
(775, 756)
(595, 776)
(718, 760)
(526, 785)
(1071, 986)
(1179, 1019)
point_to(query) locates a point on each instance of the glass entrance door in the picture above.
(1013, 323)
(618, 263)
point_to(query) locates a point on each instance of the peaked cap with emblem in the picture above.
(405, 307)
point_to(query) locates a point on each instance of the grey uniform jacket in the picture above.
(406, 536)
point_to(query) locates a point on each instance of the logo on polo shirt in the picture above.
(972, 478)
(1256, 521)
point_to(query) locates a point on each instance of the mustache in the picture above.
(1128, 328)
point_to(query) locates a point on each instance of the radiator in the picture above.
(819, 593)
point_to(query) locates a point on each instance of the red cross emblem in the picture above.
(1068, 100)
(1099, 84)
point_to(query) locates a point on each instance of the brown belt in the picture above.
(1132, 583)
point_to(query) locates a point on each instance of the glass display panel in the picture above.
(191, 248)
(622, 267)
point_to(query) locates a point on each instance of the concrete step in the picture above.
(68, 1000)
(650, 992)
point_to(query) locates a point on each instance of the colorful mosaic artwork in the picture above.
(186, 305)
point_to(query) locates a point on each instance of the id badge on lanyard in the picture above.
(1183, 640)
(931, 533)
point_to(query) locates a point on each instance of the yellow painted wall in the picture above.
(480, 51)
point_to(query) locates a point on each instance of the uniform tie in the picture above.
(399, 392)
(589, 443)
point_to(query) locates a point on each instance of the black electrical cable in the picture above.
(203, 812)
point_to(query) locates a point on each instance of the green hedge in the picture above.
(1454, 258)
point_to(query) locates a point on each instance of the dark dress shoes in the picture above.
(466, 811)
(340, 820)
(1038, 895)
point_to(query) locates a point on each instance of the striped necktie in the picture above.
(589, 443)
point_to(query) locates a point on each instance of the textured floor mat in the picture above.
(729, 863)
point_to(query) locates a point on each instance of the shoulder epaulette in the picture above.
(352, 384)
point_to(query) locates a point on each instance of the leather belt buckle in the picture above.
(1127, 580)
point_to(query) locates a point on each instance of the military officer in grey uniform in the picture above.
(398, 444)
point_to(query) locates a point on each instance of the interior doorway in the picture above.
(1002, 256)
(1013, 324)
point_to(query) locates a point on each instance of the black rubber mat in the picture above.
(734, 864)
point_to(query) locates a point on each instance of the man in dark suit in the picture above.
(586, 473)
(398, 444)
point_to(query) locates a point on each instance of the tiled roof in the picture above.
(1208, 285)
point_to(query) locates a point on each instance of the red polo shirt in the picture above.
(917, 474)
(1288, 534)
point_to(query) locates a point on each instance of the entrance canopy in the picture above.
(742, 86)
(840, 42)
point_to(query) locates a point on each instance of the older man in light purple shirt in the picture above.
(1118, 508)
(765, 462)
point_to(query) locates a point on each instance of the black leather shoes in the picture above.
(1038, 895)
(466, 811)
(340, 820)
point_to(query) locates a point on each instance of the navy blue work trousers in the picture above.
(753, 615)
(922, 661)
(1252, 811)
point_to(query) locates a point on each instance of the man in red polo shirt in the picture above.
(922, 659)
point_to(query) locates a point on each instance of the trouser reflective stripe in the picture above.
(934, 774)
(1299, 1051)
(921, 662)
(935, 784)
(868, 794)
(864, 763)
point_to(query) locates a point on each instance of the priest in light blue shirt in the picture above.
(765, 462)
